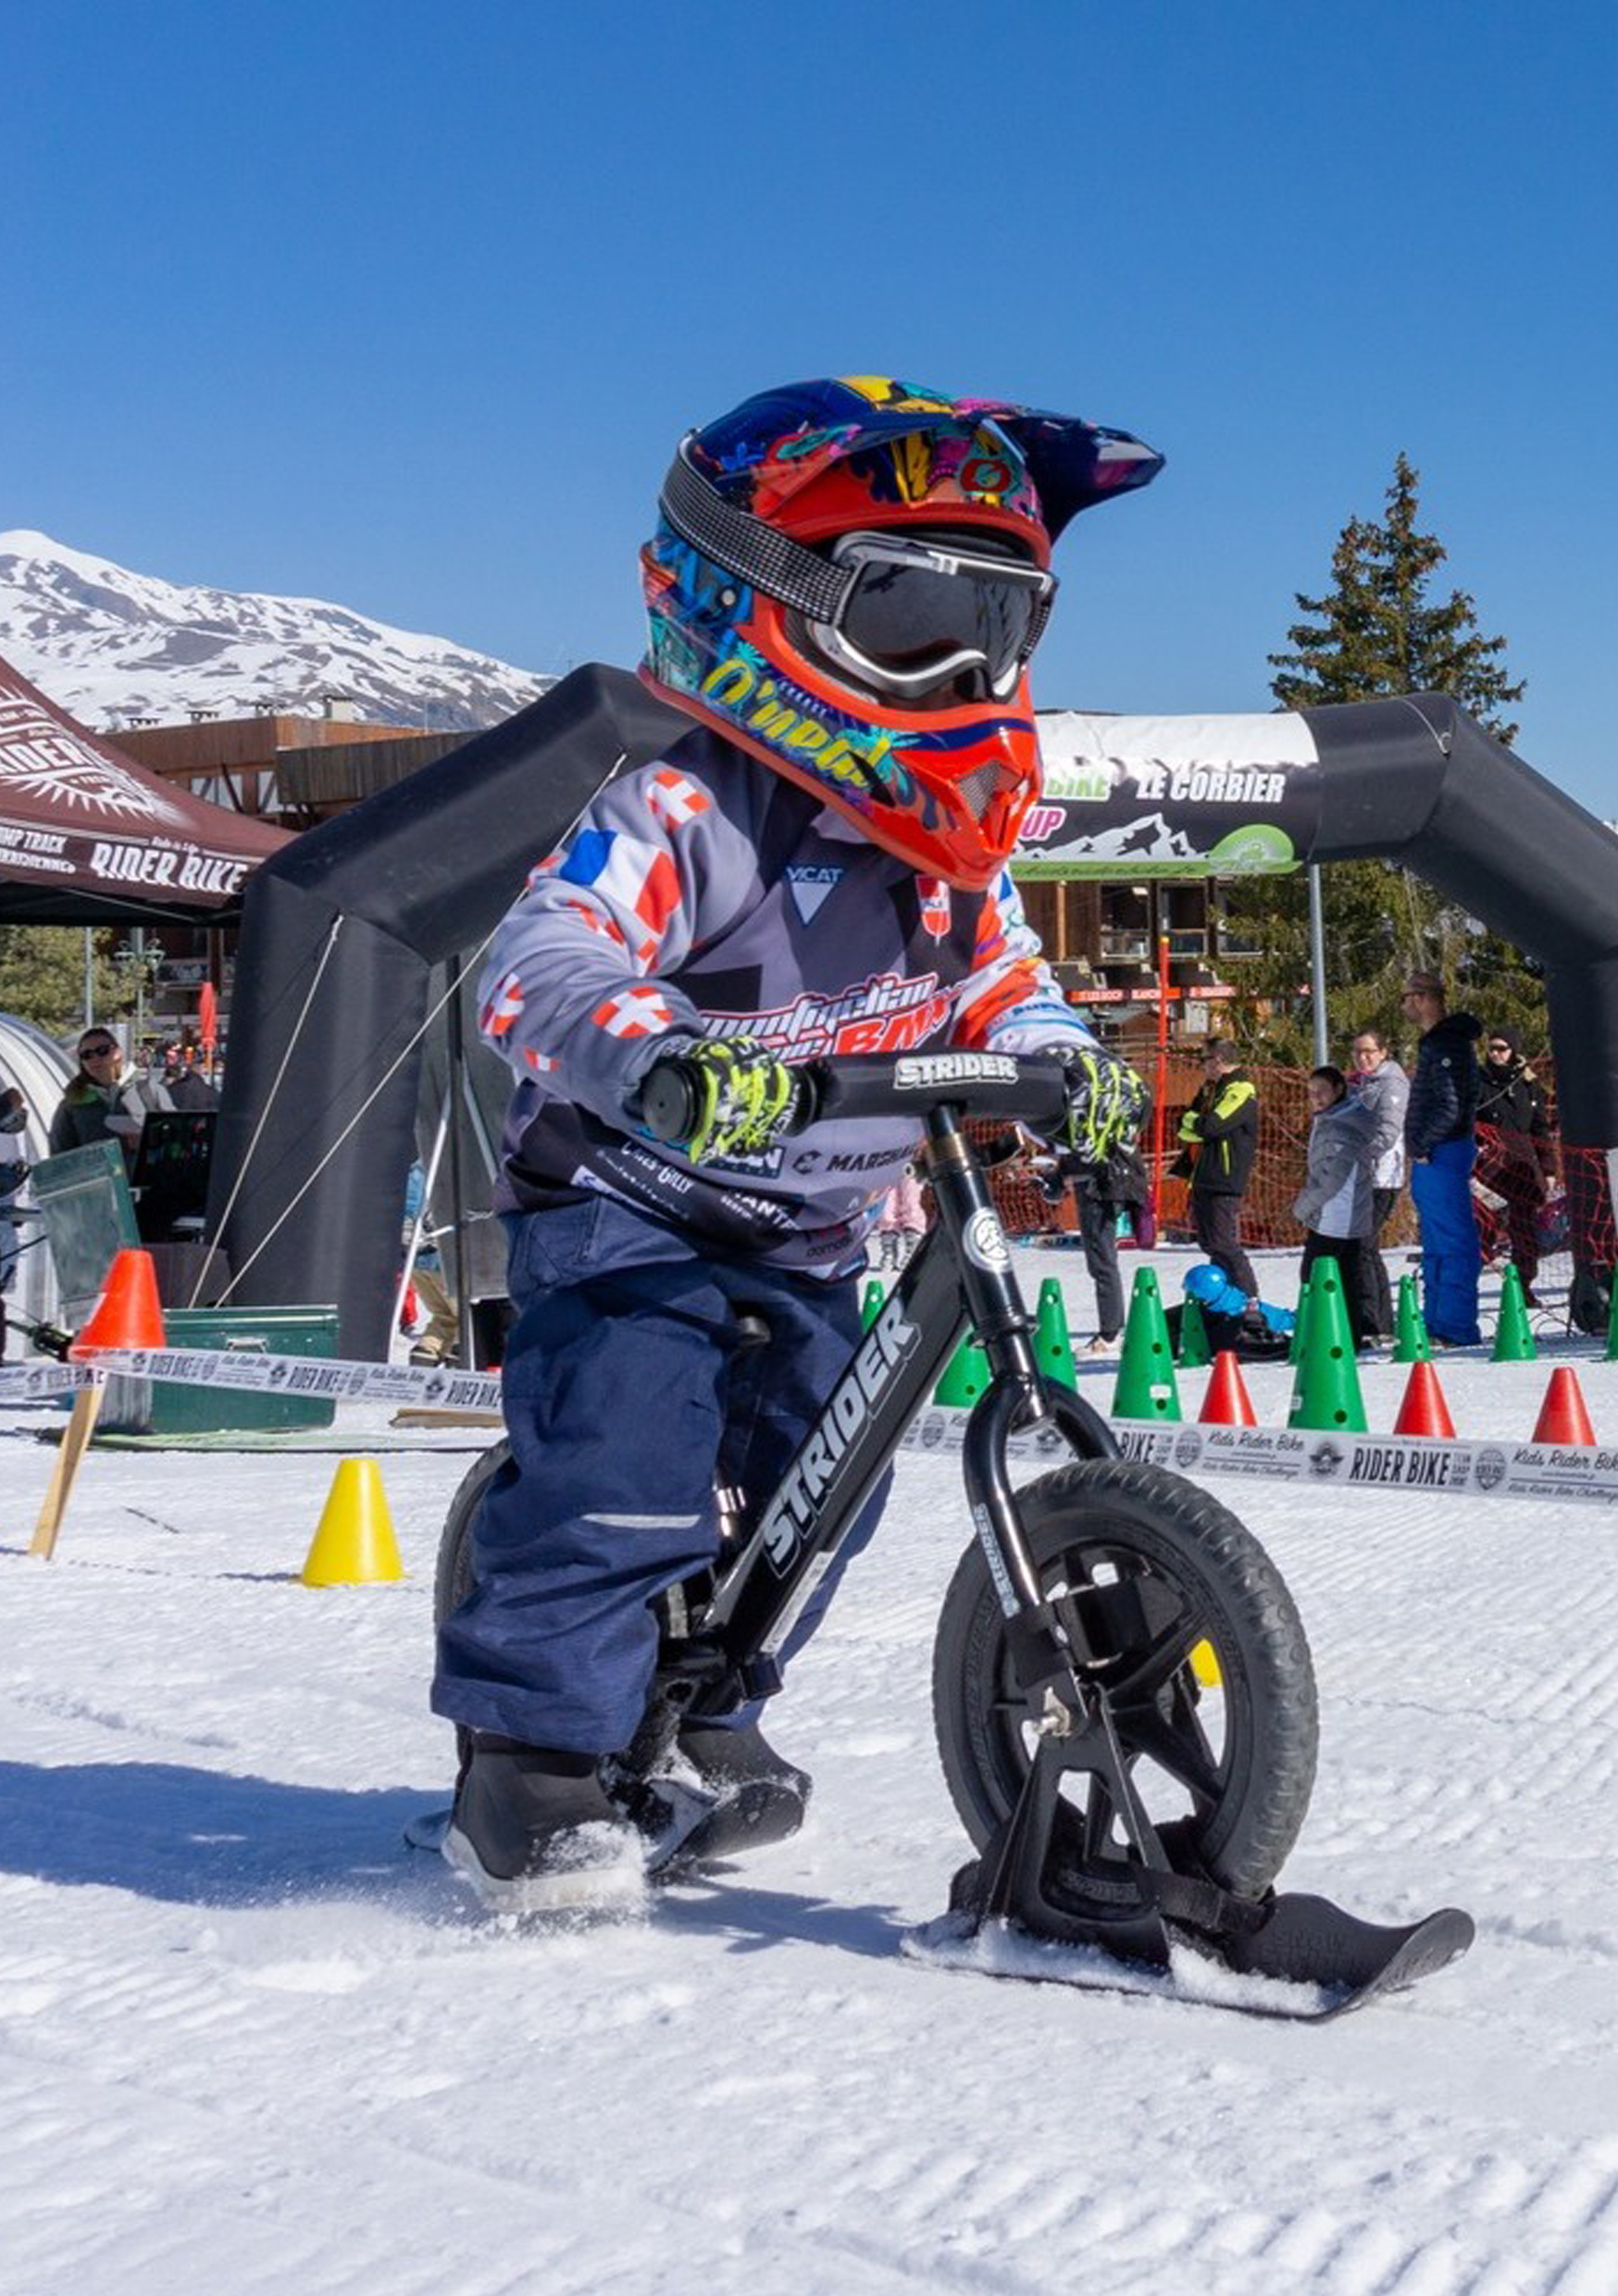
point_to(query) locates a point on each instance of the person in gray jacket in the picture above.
(1334, 1204)
(1381, 1085)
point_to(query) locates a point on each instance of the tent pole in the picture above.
(458, 1086)
(423, 1212)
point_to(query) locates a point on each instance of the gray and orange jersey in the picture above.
(705, 896)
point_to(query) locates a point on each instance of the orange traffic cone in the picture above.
(1423, 1410)
(1227, 1403)
(127, 1314)
(1562, 1418)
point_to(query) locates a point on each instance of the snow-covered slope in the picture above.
(113, 647)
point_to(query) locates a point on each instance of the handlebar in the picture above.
(1033, 1091)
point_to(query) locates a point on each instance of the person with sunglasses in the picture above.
(101, 1102)
(846, 584)
(1516, 1150)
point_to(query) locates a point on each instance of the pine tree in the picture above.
(1378, 630)
(42, 977)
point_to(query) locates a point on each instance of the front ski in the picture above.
(1387, 1959)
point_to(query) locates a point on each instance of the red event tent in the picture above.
(88, 837)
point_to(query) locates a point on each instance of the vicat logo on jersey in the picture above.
(809, 882)
(935, 907)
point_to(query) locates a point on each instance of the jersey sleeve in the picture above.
(1009, 1001)
(572, 994)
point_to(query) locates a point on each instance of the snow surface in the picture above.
(250, 2042)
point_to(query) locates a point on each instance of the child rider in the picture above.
(846, 584)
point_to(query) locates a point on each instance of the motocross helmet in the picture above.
(848, 579)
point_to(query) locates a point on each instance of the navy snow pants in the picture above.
(623, 1396)
(1441, 1191)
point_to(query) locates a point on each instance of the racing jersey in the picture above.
(704, 895)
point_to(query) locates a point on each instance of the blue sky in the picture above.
(405, 305)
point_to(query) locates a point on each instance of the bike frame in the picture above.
(959, 1279)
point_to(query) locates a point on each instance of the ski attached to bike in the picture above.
(1034, 1907)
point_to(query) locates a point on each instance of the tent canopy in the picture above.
(88, 837)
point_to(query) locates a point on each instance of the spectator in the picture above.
(1440, 1121)
(184, 1081)
(13, 1172)
(901, 1223)
(1334, 1202)
(440, 1340)
(1102, 1193)
(1517, 1152)
(101, 1102)
(1219, 1137)
(1382, 1085)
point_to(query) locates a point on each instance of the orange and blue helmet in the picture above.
(849, 578)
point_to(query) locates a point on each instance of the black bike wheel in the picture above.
(1201, 1653)
(452, 1579)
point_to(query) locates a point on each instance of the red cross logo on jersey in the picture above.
(634, 1012)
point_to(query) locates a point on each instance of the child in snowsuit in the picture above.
(846, 584)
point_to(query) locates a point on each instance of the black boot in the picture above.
(533, 1831)
(761, 1797)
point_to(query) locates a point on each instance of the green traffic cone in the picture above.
(1326, 1390)
(965, 1375)
(1145, 1387)
(1513, 1340)
(871, 1305)
(1299, 1323)
(1411, 1343)
(1052, 1340)
(1195, 1352)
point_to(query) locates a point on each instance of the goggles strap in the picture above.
(753, 551)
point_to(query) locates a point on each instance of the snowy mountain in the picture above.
(115, 647)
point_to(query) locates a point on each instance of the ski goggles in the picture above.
(915, 613)
(902, 612)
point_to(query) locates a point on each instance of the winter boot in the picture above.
(759, 1796)
(533, 1832)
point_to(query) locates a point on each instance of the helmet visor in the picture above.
(915, 613)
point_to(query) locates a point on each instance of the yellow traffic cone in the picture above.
(354, 1544)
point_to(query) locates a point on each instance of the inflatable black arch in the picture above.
(342, 928)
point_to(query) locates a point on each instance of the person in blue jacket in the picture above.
(846, 584)
(1441, 1144)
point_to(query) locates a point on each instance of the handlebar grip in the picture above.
(670, 1101)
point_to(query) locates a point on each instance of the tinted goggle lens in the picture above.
(921, 614)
